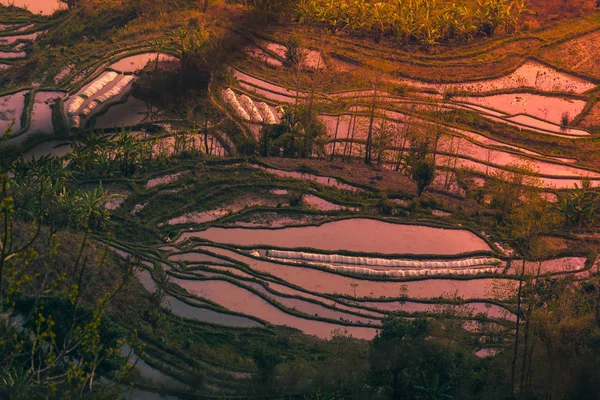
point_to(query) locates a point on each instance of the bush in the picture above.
(565, 120)
(246, 146)
(385, 206)
(307, 169)
(298, 135)
(296, 198)
(293, 52)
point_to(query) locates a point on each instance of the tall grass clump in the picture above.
(424, 22)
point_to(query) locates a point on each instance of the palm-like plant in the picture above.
(379, 16)
(512, 13)
(425, 21)
(178, 40)
(87, 150)
(455, 23)
(183, 142)
(91, 207)
(15, 382)
(579, 206)
(197, 41)
(158, 46)
(488, 15)
(127, 152)
(189, 45)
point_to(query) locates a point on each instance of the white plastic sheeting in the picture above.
(410, 268)
(267, 114)
(75, 105)
(116, 90)
(383, 262)
(401, 273)
(231, 99)
(250, 107)
(86, 111)
(75, 121)
(99, 84)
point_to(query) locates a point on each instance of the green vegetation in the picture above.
(427, 22)
(57, 338)
(355, 367)
(299, 135)
(96, 270)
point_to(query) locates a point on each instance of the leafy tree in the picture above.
(419, 160)
(578, 206)
(423, 174)
(565, 344)
(128, 152)
(523, 228)
(293, 50)
(265, 360)
(399, 347)
(56, 339)
(296, 136)
(189, 45)
(383, 136)
(434, 391)
(507, 188)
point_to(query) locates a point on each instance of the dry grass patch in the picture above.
(592, 120)
(581, 54)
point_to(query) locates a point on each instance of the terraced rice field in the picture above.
(102, 100)
(12, 106)
(348, 273)
(229, 247)
(537, 113)
(361, 235)
(282, 289)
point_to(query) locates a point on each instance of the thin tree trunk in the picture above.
(347, 137)
(370, 132)
(206, 136)
(447, 180)
(352, 138)
(526, 342)
(528, 327)
(401, 155)
(337, 126)
(530, 363)
(517, 328)
(456, 156)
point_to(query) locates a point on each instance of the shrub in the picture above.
(246, 146)
(385, 206)
(293, 52)
(296, 198)
(307, 169)
(565, 119)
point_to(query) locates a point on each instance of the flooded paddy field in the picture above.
(255, 284)
(246, 229)
(547, 108)
(285, 271)
(45, 7)
(537, 113)
(360, 235)
(11, 109)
